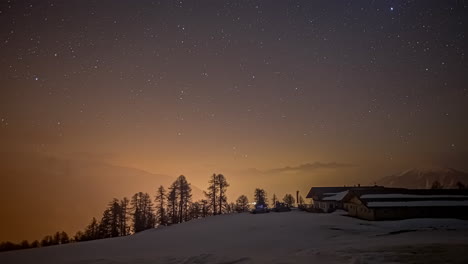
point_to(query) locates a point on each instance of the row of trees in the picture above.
(168, 207)
(260, 197)
(124, 217)
(57, 238)
(171, 206)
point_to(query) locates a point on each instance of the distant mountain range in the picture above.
(41, 194)
(423, 178)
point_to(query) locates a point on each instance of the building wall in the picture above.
(395, 213)
(326, 206)
(360, 211)
(398, 213)
(351, 208)
(357, 208)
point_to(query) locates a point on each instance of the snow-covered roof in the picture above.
(336, 197)
(417, 203)
(404, 196)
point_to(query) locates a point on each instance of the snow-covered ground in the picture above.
(290, 237)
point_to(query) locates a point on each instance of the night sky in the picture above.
(322, 91)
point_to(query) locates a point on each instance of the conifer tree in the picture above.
(195, 210)
(172, 205)
(204, 208)
(115, 214)
(105, 225)
(222, 187)
(64, 239)
(185, 197)
(161, 206)
(242, 204)
(143, 212)
(260, 197)
(289, 199)
(92, 230)
(123, 218)
(212, 194)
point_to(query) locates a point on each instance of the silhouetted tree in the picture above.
(195, 210)
(7, 246)
(105, 225)
(222, 187)
(35, 244)
(185, 197)
(204, 208)
(143, 212)
(161, 206)
(212, 194)
(260, 197)
(172, 204)
(115, 215)
(289, 199)
(216, 194)
(123, 217)
(79, 236)
(242, 204)
(47, 241)
(436, 185)
(231, 208)
(56, 238)
(92, 231)
(64, 239)
(25, 244)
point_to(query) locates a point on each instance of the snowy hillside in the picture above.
(294, 237)
(423, 178)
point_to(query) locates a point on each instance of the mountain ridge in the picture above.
(65, 193)
(423, 178)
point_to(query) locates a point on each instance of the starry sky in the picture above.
(319, 92)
